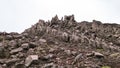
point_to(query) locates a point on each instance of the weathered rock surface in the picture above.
(16, 50)
(63, 43)
(30, 59)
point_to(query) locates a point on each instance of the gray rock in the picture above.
(69, 66)
(21, 55)
(49, 65)
(30, 59)
(97, 54)
(1, 44)
(8, 37)
(32, 45)
(16, 50)
(17, 36)
(25, 45)
(79, 56)
(4, 66)
(1, 66)
(12, 44)
(52, 50)
(2, 52)
(11, 61)
(30, 51)
(42, 40)
(90, 54)
(2, 61)
(49, 56)
(54, 20)
(65, 37)
(75, 38)
(20, 66)
(68, 52)
(1, 38)
(73, 52)
(69, 18)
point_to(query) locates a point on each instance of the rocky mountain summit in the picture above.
(62, 43)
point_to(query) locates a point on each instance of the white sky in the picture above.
(17, 15)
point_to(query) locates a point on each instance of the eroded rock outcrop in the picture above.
(62, 43)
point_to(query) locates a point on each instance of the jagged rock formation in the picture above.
(63, 43)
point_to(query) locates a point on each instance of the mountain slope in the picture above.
(63, 43)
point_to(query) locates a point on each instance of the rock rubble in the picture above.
(63, 43)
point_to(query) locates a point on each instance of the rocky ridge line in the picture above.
(63, 43)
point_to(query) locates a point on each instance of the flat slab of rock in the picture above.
(42, 40)
(11, 61)
(16, 50)
(25, 46)
(30, 59)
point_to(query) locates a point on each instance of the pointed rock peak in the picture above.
(40, 20)
(55, 18)
(69, 18)
(62, 19)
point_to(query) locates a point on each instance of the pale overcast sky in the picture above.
(17, 15)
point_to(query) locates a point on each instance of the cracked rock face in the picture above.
(62, 43)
